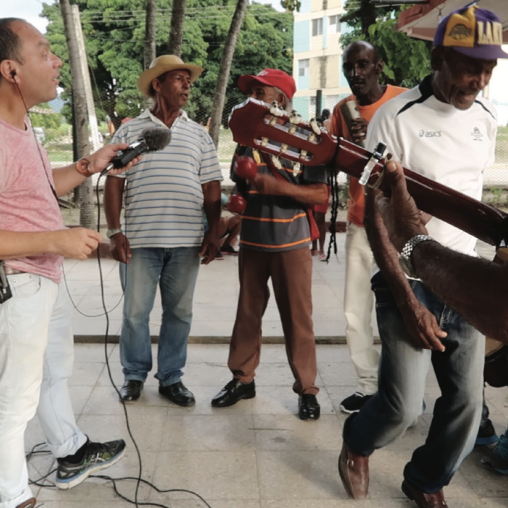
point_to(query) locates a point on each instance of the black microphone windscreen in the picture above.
(156, 139)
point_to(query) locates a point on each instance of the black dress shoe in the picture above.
(131, 390)
(422, 499)
(234, 391)
(178, 394)
(308, 407)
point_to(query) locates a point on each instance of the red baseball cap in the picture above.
(269, 77)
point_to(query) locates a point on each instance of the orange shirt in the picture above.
(356, 203)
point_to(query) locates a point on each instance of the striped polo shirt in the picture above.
(276, 223)
(163, 195)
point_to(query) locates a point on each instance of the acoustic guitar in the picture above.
(274, 131)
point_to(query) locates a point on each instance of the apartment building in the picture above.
(317, 55)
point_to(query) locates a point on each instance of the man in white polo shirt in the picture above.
(445, 131)
(162, 237)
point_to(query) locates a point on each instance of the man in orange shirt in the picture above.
(362, 68)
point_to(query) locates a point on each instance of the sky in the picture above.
(30, 10)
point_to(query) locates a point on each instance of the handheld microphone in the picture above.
(151, 140)
(350, 113)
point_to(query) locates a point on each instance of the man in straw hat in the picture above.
(162, 238)
(443, 130)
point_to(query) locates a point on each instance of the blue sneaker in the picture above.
(498, 459)
(97, 456)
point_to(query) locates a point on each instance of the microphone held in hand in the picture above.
(151, 140)
(350, 113)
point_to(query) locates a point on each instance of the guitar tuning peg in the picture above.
(264, 141)
(296, 169)
(276, 162)
(275, 110)
(283, 148)
(256, 155)
(294, 117)
(314, 125)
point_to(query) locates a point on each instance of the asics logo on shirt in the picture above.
(430, 134)
(477, 134)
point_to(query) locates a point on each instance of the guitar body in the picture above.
(257, 125)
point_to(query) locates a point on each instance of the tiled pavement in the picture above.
(257, 454)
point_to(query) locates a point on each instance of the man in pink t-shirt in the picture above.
(36, 341)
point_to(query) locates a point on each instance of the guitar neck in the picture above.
(480, 220)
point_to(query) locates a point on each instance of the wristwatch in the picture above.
(406, 252)
(113, 232)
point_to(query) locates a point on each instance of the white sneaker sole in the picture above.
(65, 485)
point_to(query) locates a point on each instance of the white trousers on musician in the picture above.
(36, 358)
(358, 304)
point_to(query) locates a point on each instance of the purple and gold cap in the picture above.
(472, 31)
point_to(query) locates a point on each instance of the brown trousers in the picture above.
(291, 274)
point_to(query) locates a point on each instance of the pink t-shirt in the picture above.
(26, 200)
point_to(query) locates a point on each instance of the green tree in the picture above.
(46, 121)
(114, 33)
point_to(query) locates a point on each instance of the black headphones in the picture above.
(13, 74)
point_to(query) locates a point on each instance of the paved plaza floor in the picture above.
(256, 454)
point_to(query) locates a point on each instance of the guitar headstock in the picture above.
(272, 130)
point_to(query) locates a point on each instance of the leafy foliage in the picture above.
(114, 33)
(407, 60)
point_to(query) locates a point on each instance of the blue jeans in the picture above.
(402, 374)
(176, 271)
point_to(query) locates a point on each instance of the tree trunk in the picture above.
(80, 112)
(367, 15)
(150, 33)
(176, 30)
(225, 68)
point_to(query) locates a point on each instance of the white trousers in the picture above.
(36, 358)
(358, 303)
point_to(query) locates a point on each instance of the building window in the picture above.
(303, 67)
(317, 27)
(334, 27)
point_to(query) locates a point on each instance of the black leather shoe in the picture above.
(131, 390)
(308, 407)
(178, 394)
(234, 391)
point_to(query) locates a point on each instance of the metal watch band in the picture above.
(406, 252)
(113, 232)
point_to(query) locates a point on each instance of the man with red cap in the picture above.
(443, 130)
(274, 244)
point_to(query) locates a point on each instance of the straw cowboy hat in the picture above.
(162, 64)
